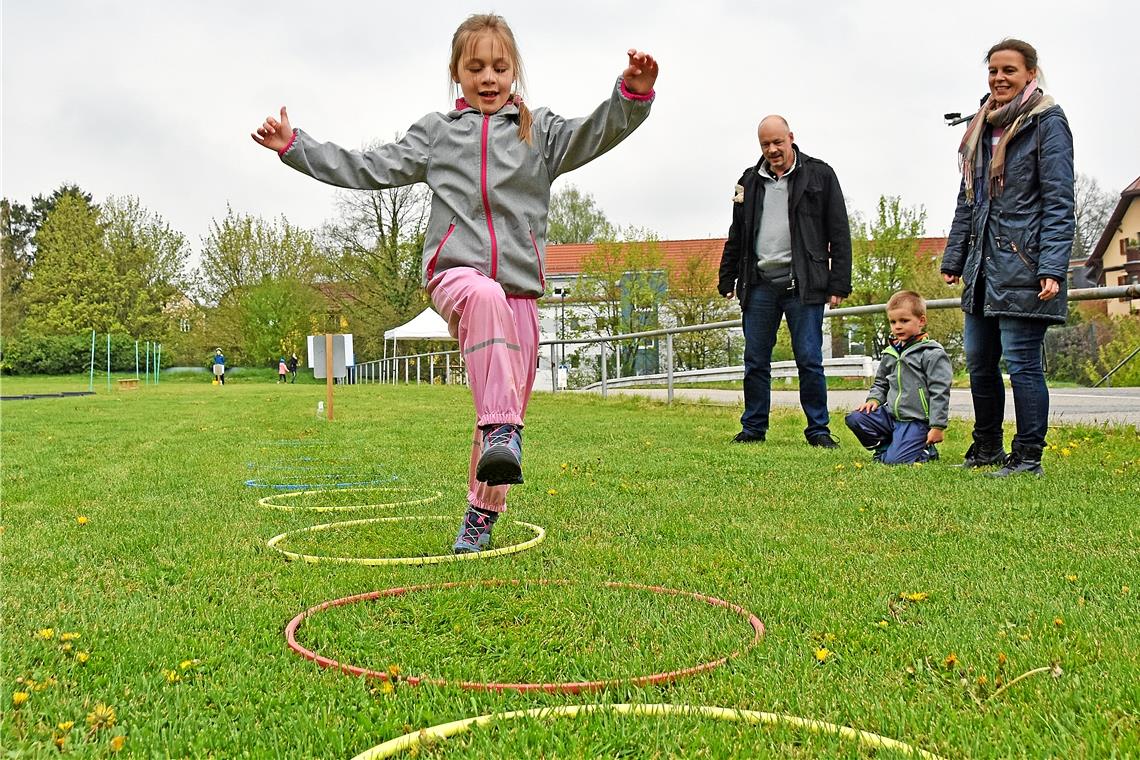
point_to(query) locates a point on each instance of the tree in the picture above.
(375, 248)
(620, 289)
(575, 218)
(694, 300)
(1093, 208)
(261, 278)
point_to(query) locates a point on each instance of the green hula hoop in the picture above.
(431, 559)
(444, 730)
(266, 501)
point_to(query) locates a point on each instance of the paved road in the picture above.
(1070, 405)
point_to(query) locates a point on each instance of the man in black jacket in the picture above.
(788, 253)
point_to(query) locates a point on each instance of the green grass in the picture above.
(172, 570)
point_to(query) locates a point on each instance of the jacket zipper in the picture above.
(435, 257)
(487, 198)
(538, 258)
(898, 378)
(1021, 256)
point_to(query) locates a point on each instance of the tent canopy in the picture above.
(427, 325)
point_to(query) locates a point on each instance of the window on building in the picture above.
(184, 324)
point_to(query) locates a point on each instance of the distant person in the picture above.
(908, 406)
(219, 363)
(282, 370)
(788, 254)
(1009, 245)
(490, 163)
(293, 368)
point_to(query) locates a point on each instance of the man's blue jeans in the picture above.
(1019, 341)
(765, 307)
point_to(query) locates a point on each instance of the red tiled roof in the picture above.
(567, 259)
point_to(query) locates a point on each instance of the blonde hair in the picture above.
(464, 39)
(908, 299)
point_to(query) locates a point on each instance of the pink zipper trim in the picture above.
(538, 258)
(487, 199)
(435, 258)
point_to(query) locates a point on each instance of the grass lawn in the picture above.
(896, 601)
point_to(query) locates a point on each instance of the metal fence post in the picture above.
(617, 360)
(553, 371)
(431, 369)
(447, 369)
(604, 370)
(669, 365)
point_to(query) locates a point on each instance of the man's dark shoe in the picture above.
(823, 441)
(979, 455)
(1019, 464)
(745, 437)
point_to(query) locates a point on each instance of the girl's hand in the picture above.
(641, 73)
(274, 134)
(1049, 288)
(934, 436)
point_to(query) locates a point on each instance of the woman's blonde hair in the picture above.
(464, 38)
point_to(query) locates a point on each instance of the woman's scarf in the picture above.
(1011, 117)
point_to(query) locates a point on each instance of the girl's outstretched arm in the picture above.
(641, 73)
(276, 134)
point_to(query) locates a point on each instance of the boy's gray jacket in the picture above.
(491, 190)
(915, 385)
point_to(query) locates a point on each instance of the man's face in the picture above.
(776, 145)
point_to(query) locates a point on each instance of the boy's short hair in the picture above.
(908, 299)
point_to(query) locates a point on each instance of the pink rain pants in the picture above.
(498, 338)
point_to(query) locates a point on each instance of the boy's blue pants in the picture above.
(893, 442)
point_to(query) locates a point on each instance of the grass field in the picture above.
(136, 578)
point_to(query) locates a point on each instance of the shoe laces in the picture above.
(476, 524)
(501, 435)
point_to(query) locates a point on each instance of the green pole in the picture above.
(91, 379)
(108, 361)
(147, 363)
(157, 363)
(136, 359)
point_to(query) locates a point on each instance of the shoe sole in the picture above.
(498, 468)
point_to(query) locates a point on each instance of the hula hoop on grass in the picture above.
(256, 483)
(445, 730)
(565, 687)
(265, 501)
(431, 559)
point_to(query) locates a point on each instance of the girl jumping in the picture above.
(490, 163)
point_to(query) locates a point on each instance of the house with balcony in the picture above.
(1116, 258)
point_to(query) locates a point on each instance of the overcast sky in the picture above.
(157, 99)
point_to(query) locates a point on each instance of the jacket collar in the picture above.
(462, 107)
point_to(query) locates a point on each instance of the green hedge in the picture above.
(68, 354)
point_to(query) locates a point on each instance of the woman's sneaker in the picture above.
(500, 463)
(474, 531)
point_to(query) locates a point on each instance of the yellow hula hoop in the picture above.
(266, 501)
(432, 559)
(444, 730)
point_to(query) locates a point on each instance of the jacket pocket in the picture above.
(439, 249)
(538, 258)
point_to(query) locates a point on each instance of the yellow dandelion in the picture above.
(839, 468)
(565, 466)
(822, 654)
(171, 676)
(983, 680)
(552, 492)
(1071, 578)
(950, 662)
(59, 742)
(918, 464)
(66, 646)
(858, 465)
(1125, 590)
(187, 664)
(1074, 445)
(1058, 622)
(46, 633)
(82, 657)
(393, 671)
(103, 716)
(82, 520)
(862, 509)
(883, 624)
(117, 742)
(19, 698)
(1066, 452)
(68, 636)
(66, 726)
(387, 688)
(918, 596)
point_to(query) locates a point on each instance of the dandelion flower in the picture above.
(66, 726)
(68, 636)
(839, 468)
(393, 671)
(82, 520)
(552, 492)
(171, 676)
(117, 742)
(82, 657)
(1125, 590)
(1071, 578)
(918, 596)
(565, 466)
(950, 662)
(1066, 452)
(59, 742)
(858, 465)
(19, 698)
(66, 646)
(103, 716)
(822, 654)
(387, 688)
(883, 624)
(983, 680)
(1058, 622)
(46, 633)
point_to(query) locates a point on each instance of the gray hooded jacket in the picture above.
(490, 190)
(915, 384)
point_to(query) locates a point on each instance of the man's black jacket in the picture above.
(821, 235)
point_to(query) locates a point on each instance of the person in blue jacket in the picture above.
(1009, 246)
(219, 365)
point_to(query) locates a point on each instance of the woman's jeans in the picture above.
(1019, 342)
(762, 313)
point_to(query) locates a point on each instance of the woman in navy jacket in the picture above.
(1009, 245)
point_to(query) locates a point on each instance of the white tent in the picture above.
(427, 325)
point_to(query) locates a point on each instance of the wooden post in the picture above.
(329, 375)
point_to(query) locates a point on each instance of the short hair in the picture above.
(1028, 52)
(908, 299)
